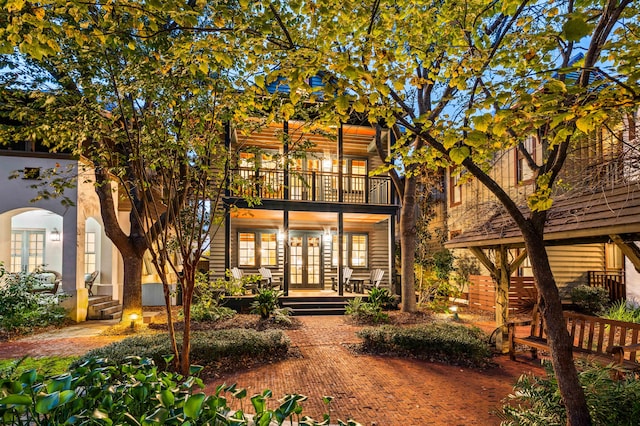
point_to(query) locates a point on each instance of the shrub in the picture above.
(365, 312)
(267, 305)
(622, 311)
(382, 297)
(135, 392)
(590, 300)
(536, 400)
(207, 305)
(22, 310)
(207, 347)
(443, 341)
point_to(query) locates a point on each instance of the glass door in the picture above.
(306, 261)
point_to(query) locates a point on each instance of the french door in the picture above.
(305, 260)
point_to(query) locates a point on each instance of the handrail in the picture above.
(310, 186)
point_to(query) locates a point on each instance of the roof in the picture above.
(586, 217)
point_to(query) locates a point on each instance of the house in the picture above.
(311, 205)
(593, 228)
(62, 234)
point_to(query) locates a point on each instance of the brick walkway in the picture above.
(380, 390)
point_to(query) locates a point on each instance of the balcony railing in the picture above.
(310, 186)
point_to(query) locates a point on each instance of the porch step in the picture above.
(303, 306)
(103, 308)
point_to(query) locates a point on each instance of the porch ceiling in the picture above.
(356, 139)
(585, 218)
(306, 217)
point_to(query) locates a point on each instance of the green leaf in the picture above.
(28, 377)
(482, 122)
(158, 416)
(585, 124)
(16, 400)
(166, 398)
(193, 405)
(575, 29)
(459, 154)
(47, 403)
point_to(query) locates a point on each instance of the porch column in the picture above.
(286, 272)
(502, 298)
(500, 272)
(227, 238)
(340, 182)
(285, 149)
(629, 248)
(340, 253)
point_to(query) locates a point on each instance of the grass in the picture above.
(47, 366)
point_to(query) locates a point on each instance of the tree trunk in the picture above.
(408, 245)
(557, 334)
(132, 287)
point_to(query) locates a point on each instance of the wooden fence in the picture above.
(613, 281)
(482, 294)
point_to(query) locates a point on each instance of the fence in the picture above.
(482, 293)
(613, 281)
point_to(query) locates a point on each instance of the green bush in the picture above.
(590, 300)
(207, 347)
(266, 304)
(443, 341)
(382, 297)
(136, 393)
(22, 310)
(207, 305)
(622, 311)
(365, 312)
(536, 400)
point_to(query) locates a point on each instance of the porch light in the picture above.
(281, 236)
(326, 237)
(55, 235)
(327, 164)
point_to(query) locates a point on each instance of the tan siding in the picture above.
(571, 263)
(216, 259)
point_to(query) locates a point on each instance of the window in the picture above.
(524, 174)
(27, 250)
(358, 248)
(89, 252)
(455, 188)
(258, 248)
(268, 249)
(355, 250)
(247, 249)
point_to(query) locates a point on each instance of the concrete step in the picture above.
(316, 307)
(103, 308)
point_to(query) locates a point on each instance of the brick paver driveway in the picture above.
(379, 390)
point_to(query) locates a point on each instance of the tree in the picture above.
(468, 80)
(109, 81)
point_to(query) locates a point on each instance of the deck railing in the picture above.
(310, 186)
(613, 281)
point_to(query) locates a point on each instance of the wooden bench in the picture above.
(601, 338)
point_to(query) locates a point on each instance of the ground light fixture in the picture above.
(454, 309)
(133, 318)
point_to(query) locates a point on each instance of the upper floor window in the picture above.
(524, 173)
(455, 188)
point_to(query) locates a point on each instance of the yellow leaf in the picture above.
(131, 45)
(39, 12)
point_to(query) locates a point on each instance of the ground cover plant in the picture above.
(217, 350)
(622, 311)
(47, 366)
(536, 400)
(438, 341)
(137, 392)
(22, 310)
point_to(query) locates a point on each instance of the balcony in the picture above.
(310, 186)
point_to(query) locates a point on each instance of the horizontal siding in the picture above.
(571, 263)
